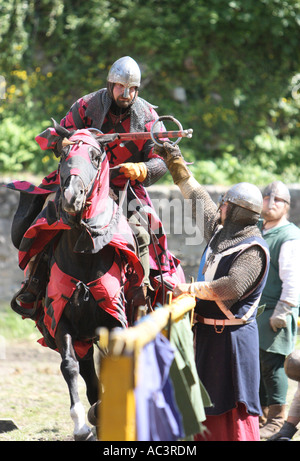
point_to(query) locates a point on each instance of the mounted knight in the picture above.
(117, 109)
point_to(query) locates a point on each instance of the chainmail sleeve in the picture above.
(192, 190)
(156, 169)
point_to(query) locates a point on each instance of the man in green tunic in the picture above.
(281, 296)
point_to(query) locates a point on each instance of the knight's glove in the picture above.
(202, 290)
(279, 316)
(134, 171)
(175, 162)
(286, 433)
(181, 288)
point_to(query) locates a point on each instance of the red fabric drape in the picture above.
(233, 426)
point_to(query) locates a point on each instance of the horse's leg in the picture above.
(70, 371)
(88, 373)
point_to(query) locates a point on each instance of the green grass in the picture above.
(12, 326)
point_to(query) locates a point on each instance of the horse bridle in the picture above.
(90, 186)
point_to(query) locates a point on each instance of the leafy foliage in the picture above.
(235, 62)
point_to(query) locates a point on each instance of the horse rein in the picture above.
(152, 237)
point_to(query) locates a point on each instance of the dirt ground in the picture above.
(34, 394)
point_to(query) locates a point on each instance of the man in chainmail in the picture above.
(119, 109)
(232, 275)
(277, 325)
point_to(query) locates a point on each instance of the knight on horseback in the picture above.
(83, 244)
(75, 245)
(116, 109)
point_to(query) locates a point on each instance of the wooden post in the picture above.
(117, 408)
(119, 370)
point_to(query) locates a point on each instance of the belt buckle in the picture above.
(216, 327)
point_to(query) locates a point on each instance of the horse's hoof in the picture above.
(87, 437)
(92, 414)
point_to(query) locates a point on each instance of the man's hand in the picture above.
(181, 288)
(175, 162)
(279, 316)
(134, 171)
(167, 151)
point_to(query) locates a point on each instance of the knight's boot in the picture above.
(275, 420)
(30, 291)
(286, 433)
(25, 301)
(30, 286)
(138, 303)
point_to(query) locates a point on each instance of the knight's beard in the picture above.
(269, 216)
(123, 103)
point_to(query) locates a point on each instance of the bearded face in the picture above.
(124, 96)
(274, 210)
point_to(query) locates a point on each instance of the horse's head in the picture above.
(84, 201)
(80, 167)
(83, 167)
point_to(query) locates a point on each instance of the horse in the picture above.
(92, 262)
(90, 259)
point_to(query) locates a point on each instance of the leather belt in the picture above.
(218, 322)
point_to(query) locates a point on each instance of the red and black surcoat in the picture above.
(93, 111)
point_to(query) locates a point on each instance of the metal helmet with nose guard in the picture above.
(277, 189)
(126, 72)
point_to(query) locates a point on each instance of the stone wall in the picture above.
(10, 274)
(183, 240)
(189, 250)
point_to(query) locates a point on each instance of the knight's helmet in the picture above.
(277, 189)
(246, 203)
(125, 71)
(245, 195)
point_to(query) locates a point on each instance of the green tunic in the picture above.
(190, 393)
(282, 341)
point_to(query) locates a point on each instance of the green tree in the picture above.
(234, 60)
